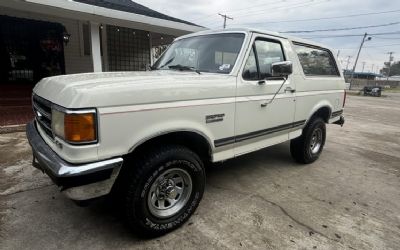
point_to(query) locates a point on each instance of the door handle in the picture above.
(289, 89)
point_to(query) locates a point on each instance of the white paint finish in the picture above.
(317, 93)
(251, 116)
(136, 106)
(71, 153)
(136, 127)
(165, 105)
(295, 134)
(114, 89)
(95, 46)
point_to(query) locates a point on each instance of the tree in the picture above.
(394, 69)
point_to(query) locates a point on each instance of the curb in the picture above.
(12, 128)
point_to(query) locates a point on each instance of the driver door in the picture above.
(261, 121)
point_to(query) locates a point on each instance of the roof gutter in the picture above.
(87, 12)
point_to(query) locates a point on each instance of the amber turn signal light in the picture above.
(80, 127)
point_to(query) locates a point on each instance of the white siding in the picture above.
(75, 61)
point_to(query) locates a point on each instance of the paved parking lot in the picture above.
(349, 199)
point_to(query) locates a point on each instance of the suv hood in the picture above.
(128, 88)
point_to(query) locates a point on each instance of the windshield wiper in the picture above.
(183, 67)
(168, 62)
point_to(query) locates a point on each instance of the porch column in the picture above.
(95, 42)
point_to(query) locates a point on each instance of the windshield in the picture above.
(216, 53)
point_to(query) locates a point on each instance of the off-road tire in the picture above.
(300, 147)
(143, 172)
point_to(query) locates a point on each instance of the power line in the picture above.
(245, 9)
(385, 45)
(352, 35)
(326, 18)
(340, 29)
(265, 4)
(388, 38)
(284, 7)
(262, 12)
(376, 46)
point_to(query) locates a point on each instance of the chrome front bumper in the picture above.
(77, 181)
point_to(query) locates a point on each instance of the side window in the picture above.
(316, 61)
(259, 63)
(268, 52)
(250, 71)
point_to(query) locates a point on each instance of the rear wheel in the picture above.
(163, 190)
(308, 147)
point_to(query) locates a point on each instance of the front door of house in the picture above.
(30, 50)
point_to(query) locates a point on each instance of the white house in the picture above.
(41, 38)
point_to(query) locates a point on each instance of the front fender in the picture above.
(164, 128)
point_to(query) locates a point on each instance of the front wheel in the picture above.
(163, 190)
(308, 147)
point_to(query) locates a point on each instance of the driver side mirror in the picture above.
(282, 69)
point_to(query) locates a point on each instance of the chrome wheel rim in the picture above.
(316, 140)
(169, 193)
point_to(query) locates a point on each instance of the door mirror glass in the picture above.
(282, 69)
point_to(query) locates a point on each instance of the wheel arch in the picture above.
(195, 140)
(323, 110)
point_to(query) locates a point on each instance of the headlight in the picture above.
(74, 126)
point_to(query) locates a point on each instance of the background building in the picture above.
(40, 38)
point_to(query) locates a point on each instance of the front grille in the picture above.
(42, 110)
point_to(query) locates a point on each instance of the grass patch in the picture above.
(392, 90)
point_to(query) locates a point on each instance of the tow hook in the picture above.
(340, 121)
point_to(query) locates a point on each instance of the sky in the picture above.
(288, 15)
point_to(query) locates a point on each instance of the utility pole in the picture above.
(363, 63)
(225, 17)
(348, 62)
(390, 63)
(358, 55)
(372, 68)
(338, 53)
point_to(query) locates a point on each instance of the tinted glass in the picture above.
(209, 53)
(316, 61)
(250, 71)
(268, 52)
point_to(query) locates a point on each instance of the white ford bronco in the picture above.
(146, 136)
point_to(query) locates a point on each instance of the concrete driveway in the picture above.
(348, 199)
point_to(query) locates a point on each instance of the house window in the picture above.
(128, 49)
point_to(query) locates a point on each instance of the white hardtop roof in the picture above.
(259, 31)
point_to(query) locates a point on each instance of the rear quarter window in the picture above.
(316, 61)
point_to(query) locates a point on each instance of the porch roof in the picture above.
(132, 7)
(124, 13)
